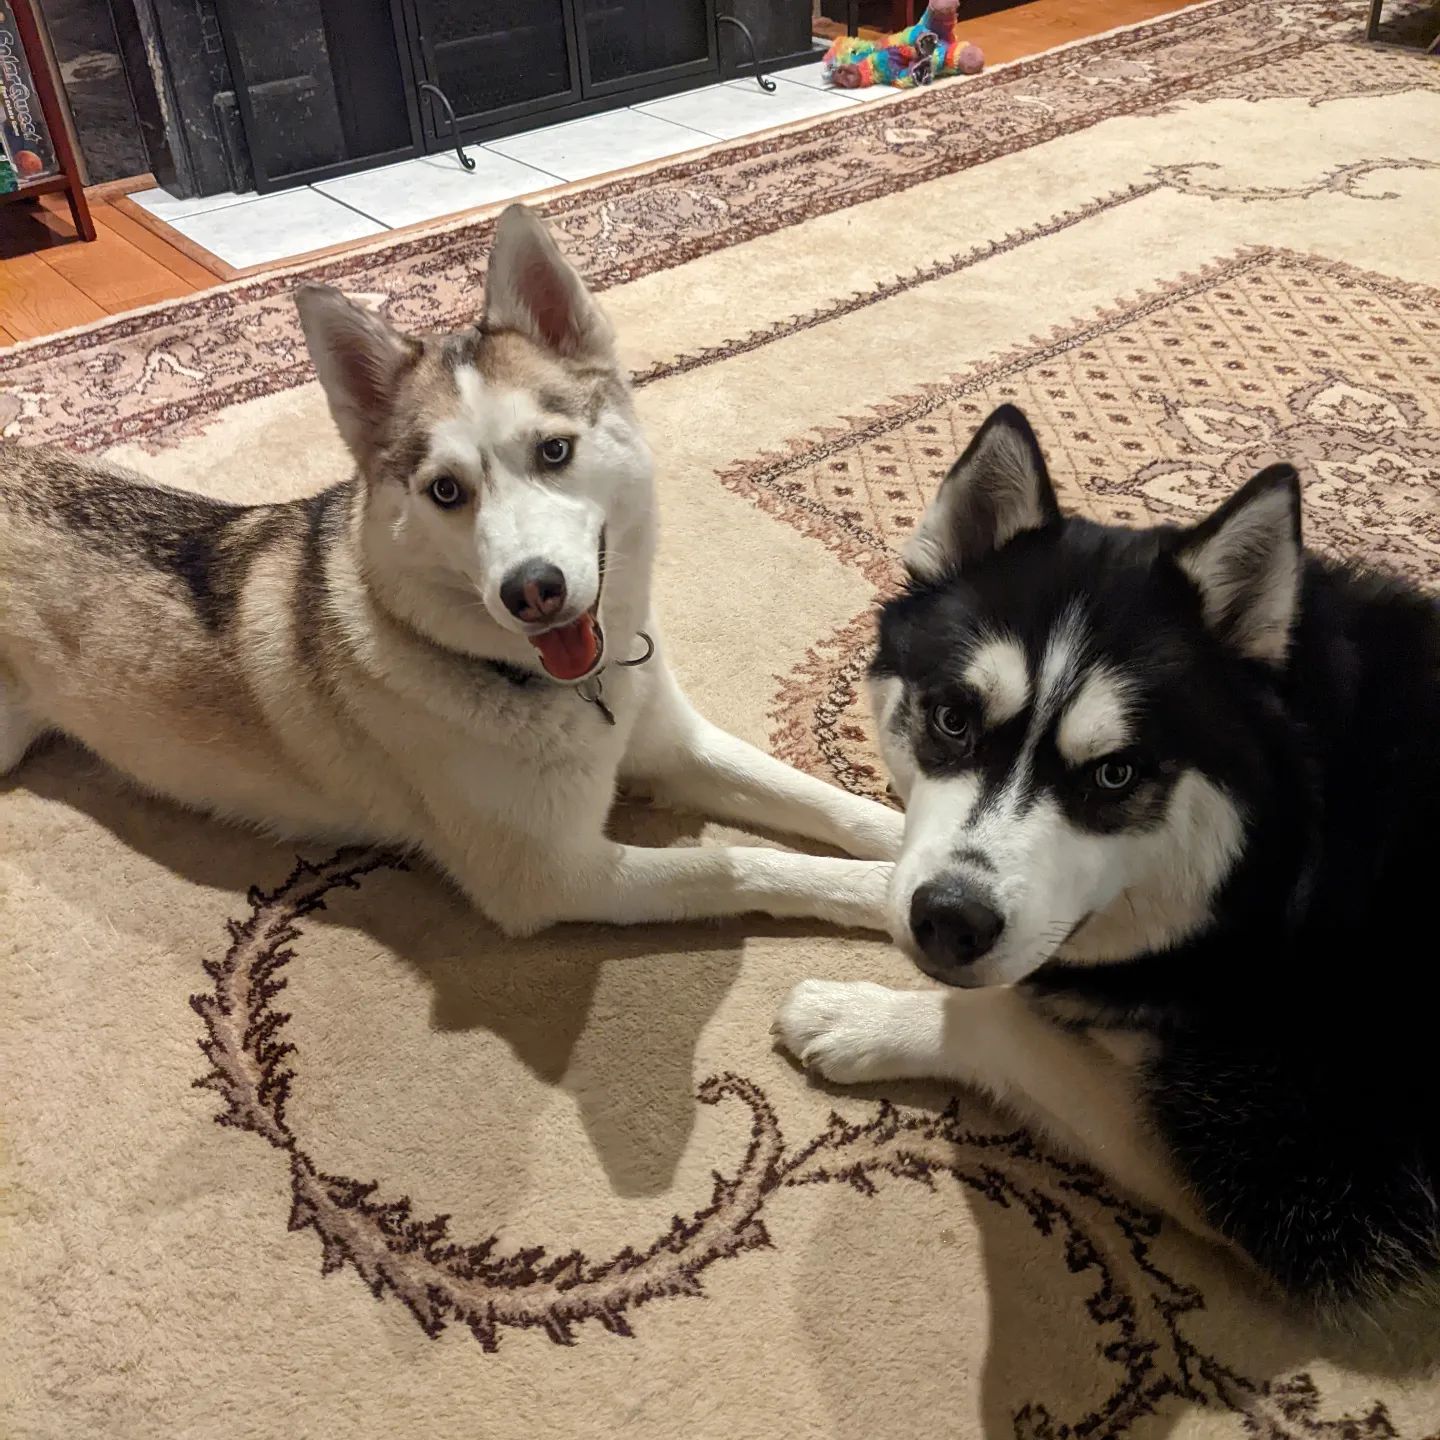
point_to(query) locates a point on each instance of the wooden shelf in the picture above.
(32, 189)
(68, 180)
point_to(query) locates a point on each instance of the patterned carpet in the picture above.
(468, 1186)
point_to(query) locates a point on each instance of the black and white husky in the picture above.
(1171, 804)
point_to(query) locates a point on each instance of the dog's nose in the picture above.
(533, 591)
(953, 927)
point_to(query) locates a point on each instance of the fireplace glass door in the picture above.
(626, 42)
(497, 58)
(325, 86)
(321, 86)
(501, 61)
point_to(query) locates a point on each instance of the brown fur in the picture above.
(346, 665)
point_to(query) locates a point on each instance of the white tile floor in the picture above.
(599, 143)
(260, 229)
(732, 110)
(435, 185)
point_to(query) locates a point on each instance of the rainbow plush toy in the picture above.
(927, 51)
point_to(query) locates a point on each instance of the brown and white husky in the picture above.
(430, 655)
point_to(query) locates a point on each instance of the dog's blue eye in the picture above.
(1114, 776)
(950, 723)
(555, 451)
(445, 491)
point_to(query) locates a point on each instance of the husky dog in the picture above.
(1171, 808)
(441, 653)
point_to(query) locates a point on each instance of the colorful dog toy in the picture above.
(928, 50)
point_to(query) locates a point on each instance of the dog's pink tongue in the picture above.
(569, 651)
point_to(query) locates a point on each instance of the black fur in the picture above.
(205, 545)
(1294, 1078)
(320, 521)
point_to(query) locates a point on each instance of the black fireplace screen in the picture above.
(625, 38)
(328, 86)
(502, 62)
(321, 86)
(490, 58)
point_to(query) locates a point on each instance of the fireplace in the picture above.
(274, 93)
(517, 57)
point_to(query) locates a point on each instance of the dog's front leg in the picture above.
(524, 885)
(1079, 1092)
(691, 764)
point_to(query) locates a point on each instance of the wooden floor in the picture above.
(50, 281)
(1015, 31)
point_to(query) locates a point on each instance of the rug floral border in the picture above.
(1134, 1305)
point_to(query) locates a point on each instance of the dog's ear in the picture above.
(532, 288)
(359, 356)
(997, 489)
(1246, 560)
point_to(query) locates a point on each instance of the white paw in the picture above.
(846, 1031)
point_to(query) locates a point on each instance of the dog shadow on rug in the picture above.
(629, 1067)
(1093, 1315)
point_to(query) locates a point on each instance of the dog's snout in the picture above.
(534, 590)
(954, 926)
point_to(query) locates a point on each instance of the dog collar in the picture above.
(516, 675)
(591, 689)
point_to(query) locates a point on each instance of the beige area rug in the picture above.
(467, 1187)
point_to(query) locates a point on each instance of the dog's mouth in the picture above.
(571, 651)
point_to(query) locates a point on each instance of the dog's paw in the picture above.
(842, 1030)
